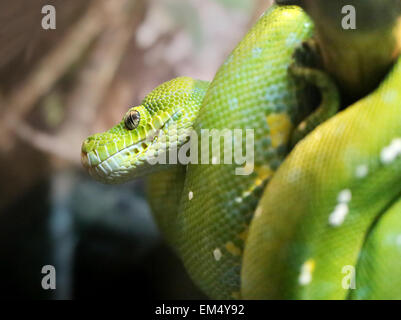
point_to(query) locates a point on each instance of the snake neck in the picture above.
(148, 135)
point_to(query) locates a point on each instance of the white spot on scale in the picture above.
(390, 96)
(238, 199)
(362, 171)
(246, 194)
(337, 217)
(305, 276)
(217, 254)
(391, 152)
(344, 196)
(190, 195)
(294, 175)
(398, 240)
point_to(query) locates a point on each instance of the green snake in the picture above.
(242, 229)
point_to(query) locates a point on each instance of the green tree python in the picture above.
(285, 223)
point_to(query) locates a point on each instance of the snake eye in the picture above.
(131, 119)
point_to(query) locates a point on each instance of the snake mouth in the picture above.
(125, 163)
(120, 163)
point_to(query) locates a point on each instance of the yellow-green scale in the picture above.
(317, 211)
(252, 90)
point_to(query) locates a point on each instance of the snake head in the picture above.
(124, 152)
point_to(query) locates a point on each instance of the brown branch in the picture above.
(52, 66)
(55, 64)
(93, 81)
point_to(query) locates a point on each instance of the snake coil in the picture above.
(300, 220)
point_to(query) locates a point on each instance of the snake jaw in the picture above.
(122, 165)
(123, 159)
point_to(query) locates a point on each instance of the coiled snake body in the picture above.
(332, 204)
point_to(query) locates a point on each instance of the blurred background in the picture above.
(57, 86)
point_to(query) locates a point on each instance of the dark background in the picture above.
(59, 86)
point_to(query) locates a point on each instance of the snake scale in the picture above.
(292, 222)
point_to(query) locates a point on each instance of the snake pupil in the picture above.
(132, 119)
